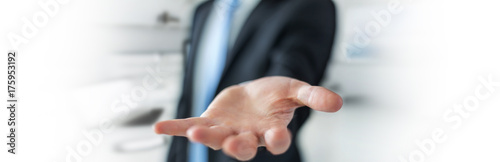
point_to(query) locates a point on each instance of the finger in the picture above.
(277, 140)
(178, 127)
(243, 146)
(209, 136)
(319, 98)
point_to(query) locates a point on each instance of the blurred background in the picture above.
(398, 77)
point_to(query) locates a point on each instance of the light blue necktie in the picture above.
(209, 66)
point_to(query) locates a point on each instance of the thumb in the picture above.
(319, 98)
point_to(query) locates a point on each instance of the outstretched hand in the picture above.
(244, 117)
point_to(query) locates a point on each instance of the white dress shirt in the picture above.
(239, 18)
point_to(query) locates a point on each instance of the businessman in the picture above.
(259, 60)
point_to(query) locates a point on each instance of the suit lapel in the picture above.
(246, 31)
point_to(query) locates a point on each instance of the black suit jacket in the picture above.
(290, 38)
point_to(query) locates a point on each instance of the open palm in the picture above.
(244, 117)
